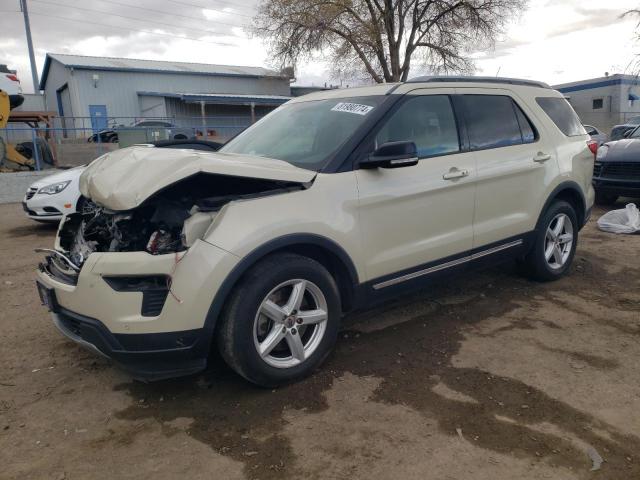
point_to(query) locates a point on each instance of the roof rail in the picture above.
(469, 78)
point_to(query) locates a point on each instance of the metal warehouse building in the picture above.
(120, 90)
(605, 101)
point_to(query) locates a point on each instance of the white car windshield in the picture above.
(305, 134)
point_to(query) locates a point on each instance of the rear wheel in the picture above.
(605, 198)
(555, 244)
(281, 321)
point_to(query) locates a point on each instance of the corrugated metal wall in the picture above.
(118, 90)
(57, 77)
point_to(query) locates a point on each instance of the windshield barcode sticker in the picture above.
(352, 108)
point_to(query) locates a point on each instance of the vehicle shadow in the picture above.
(408, 345)
(38, 229)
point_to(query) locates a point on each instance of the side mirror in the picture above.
(392, 155)
(628, 133)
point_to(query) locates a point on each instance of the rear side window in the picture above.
(427, 121)
(559, 110)
(495, 121)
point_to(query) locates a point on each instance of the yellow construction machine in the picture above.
(11, 160)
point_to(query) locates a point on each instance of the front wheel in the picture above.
(281, 321)
(555, 244)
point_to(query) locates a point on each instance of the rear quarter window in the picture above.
(495, 121)
(561, 113)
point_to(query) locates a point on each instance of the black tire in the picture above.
(235, 335)
(605, 198)
(535, 264)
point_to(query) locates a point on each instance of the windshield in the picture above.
(305, 134)
(635, 133)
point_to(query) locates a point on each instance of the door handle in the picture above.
(541, 157)
(455, 173)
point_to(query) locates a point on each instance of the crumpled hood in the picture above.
(123, 179)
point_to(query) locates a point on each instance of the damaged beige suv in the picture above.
(335, 201)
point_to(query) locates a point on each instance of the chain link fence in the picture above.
(73, 141)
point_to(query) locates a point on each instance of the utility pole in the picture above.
(32, 58)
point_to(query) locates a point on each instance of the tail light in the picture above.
(13, 78)
(593, 146)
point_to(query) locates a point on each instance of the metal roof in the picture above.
(223, 98)
(156, 66)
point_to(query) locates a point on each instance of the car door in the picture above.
(513, 158)
(413, 218)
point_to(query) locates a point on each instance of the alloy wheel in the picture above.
(290, 323)
(558, 241)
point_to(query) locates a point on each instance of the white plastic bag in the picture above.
(626, 220)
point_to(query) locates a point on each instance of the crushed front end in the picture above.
(136, 285)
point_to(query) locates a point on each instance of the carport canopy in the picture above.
(203, 99)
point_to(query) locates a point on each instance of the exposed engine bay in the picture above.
(169, 221)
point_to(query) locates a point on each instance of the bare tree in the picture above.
(634, 65)
(383, 37)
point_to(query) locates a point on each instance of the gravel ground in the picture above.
(488, 377)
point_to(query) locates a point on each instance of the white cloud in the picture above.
(563, 41)
(553, 40)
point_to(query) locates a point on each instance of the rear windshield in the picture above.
(562, 115)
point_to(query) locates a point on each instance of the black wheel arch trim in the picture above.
(290, 240)
(571, 186)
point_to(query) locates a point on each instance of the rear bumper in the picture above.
(146, 357)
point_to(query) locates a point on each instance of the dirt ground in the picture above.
(489, 377)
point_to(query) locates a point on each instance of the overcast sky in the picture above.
(553, 40)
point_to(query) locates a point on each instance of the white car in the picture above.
(48, 199)
(10, 83)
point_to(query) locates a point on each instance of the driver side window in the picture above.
(428, 121)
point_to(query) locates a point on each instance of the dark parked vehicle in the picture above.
(616, 171)
(110, 135)
(192, 144)
(619, 131)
